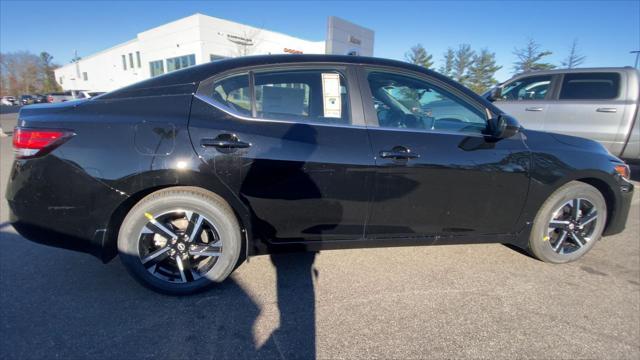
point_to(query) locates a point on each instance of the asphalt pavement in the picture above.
(471, 301)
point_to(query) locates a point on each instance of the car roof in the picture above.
(577, 70)
(186, 80)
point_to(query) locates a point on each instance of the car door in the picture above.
(527, 99)
(292, 144)
(437, 173)
(590, 105)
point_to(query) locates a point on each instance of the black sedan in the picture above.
(186, 175)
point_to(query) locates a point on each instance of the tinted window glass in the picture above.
(233, 93)
(409, 103)
(305, 96)
(180, 62)
(156, 68)
(530, 88)
(590, 86)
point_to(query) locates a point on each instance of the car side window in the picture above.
(590, 86)
(529, 88)
(410, 103)
(317, 96)
(233, 93)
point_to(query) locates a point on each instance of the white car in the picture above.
(8, 100)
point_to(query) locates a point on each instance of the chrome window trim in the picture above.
(250, 71)
(222, 108)
(367, 69)
(236, 115)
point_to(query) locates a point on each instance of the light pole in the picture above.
(637, 52)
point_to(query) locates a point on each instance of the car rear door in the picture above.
(291, 143)
(527, 99)
(590, 105)
(437, 174)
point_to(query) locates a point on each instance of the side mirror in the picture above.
(495, 94)
(503, 127)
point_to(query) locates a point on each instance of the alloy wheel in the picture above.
(179, 246)
(572, 225)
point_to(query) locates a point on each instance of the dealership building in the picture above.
(198, 39)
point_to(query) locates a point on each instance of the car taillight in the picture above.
(50, 98)
(29, 143)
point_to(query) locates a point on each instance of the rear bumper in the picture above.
(54, 203)
(619, 214)
(34, 230)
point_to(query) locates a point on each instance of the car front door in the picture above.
(528, 100)
(591, 105)
(293, 147)
(437, 173)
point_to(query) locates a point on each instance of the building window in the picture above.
(60, 80)
(124, 62)
(138, 59)
(131, 60)
(85, 77)
(156, 68)
(180, 62)
(213, 57)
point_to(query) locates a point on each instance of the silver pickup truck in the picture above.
(596, 103)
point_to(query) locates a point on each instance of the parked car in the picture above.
(39, 99)
(597, 103)
(186, 175)
(26, 99)
(60, 97)
(8, 100)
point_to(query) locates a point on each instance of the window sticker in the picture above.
(331, 95)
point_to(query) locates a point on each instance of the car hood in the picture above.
(539, 140)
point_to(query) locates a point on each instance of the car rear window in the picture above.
(590, 86)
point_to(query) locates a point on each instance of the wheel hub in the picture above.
(187, 240)
(571, 225)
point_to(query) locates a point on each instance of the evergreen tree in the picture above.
(448, 61)
(482, 71)
(462, 61)
(530, 58)
(574, 59)
(419, 56)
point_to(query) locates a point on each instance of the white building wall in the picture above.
(347, 38)
(201, 36)
(222, 38)
(177, 38)
(104, 70)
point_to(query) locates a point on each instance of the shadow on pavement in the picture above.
(66, 304)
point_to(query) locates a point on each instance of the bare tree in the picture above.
(574, 59)
(25, 73)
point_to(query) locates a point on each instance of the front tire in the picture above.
(180, 240)
(568, 224)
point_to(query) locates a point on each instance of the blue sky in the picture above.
(606, 30)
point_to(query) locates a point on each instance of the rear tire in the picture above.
(180, 240)
(568, 224)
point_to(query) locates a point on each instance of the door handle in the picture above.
(399, 153)
(607, 110)
(534, 109)
(225, 141)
